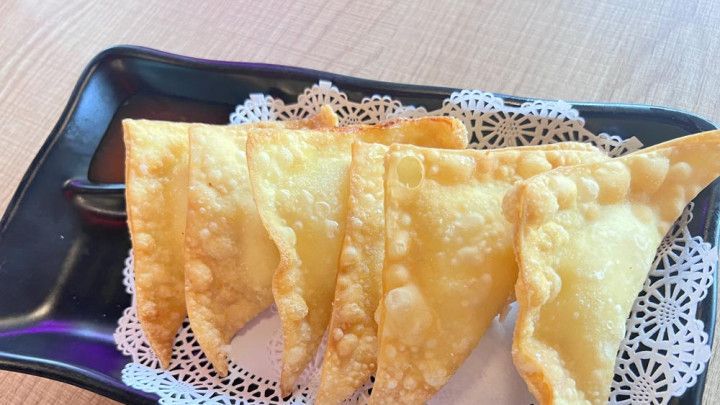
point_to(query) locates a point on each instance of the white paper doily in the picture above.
(664, 350)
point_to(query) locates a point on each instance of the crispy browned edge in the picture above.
(325, 118)
(537, 382)
(284, 264)
(459, 141)
(164, 354)
(570, 146)
(457, 128)
(325, 394)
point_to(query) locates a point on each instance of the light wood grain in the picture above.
(18, 388)
(655, 52)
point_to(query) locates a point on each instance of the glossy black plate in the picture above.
(62, 243)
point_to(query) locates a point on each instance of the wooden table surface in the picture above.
(654, 52)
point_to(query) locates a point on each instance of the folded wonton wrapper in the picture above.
(351, 352)
(449, 264)
(229, 257)
(156, 173)
(300, 183)
(585, 240)
(156, 158)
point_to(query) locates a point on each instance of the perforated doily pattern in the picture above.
(665, 347)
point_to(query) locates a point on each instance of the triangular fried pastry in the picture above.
(229, 257)
(351, 352)
(156, 173)
(449, 264)
(156, 158)
(585, 240)
(300, 183)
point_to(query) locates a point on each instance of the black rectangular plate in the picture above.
(62, 245)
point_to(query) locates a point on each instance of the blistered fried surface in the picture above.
(436, 132)
(351, 352)
(586, 239)
(325, 118)
(156, 194)
(449, 263)
(300, 183)
(229, 256)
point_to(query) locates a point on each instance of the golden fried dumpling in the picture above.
(585, 239)
(156, 177)
(229, 257)
(300, 183)
(351, 352)
(449, 264)
(156, 159)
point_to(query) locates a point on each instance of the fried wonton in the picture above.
(449, 265)
(156, 158)
(300, 183)
(351, 352)
(585, 240)
(156, 173)
(229, 257)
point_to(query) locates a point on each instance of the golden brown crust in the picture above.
(325, 118)
(156, 177)
(223, 229)
(351, 352)
(537, 384)
(229, 257)
(420, 132)
(287, 283)
(157, 183)
(449, 266)
(310, 167)
(564, 350)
